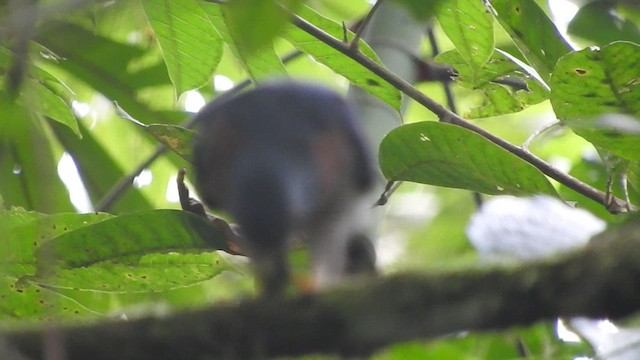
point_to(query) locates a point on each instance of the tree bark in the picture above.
(601, 280)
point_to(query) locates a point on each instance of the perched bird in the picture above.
(287, 161)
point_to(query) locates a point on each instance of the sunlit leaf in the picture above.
(190, 44)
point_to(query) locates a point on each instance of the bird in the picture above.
(288, 161)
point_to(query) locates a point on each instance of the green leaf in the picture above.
(336, 61)
(243, 16)
(30, 232)
(447, 155)
(145, 273)
(148, 251)
(176, 138)
(421, 10)
(259, 64)
(27, 162)
(131, 234)
(533, 32)
(22, 303)
(190, 45)
(594, 82)
(506, 85)
(611, 26)
(469, 26)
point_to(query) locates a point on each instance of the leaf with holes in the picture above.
(145, 273)
(591, 83)
(448, 155)
(148, 251)
(507, 87)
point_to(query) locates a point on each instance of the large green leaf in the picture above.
(448, 155)
(22, 233)
(21, 239)
(594, 82)
(469, 26)
(148, 251)
(129, 235)
(336, 61)
(506, 86)
(533, 32)
(191, 46)
(149, 272)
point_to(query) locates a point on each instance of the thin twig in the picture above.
(449, 117)
(363, 25)
(119, 188)
(435, 50)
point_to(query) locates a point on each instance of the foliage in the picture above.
(61, 74)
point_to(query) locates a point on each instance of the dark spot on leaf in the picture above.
(65, 308)
(37, 290)
(20, 290)
(611, 103)
(372, 82)
(580, 71)
(42, 302)
(54, 226)
(35, 243)
(76, 312)
(143, 277)
(590, 95)
(65, 228)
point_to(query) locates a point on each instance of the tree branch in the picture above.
(445, 115)
(602, 280)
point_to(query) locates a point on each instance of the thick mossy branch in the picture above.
(603, 280)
